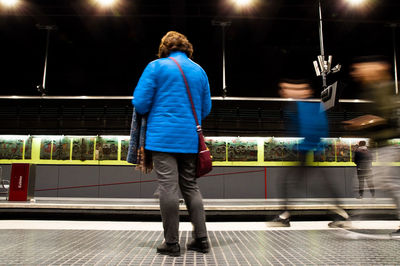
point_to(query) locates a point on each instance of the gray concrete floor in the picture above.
(93, 243)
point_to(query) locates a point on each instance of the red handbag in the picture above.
(204, 159)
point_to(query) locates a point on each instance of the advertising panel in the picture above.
(242, 149)
(62, 149)
(281, 149)
(82, 148)
(217, 147)
(124, 148)
(47, 144)
(11, 147)
(107, 148)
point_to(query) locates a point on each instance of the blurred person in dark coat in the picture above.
(363, 161)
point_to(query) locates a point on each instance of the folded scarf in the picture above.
(137, 154)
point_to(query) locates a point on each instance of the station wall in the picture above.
(222, 183)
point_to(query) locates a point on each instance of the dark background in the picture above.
(103, 52)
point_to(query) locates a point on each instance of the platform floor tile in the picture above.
(246, 247)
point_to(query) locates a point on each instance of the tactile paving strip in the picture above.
(94, 247)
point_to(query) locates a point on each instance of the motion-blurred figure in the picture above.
(363, 160)
(306, 120)
(382, 124)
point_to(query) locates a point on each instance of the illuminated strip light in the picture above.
(214, 98)
(14, 137)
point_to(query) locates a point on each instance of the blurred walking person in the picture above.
(307, 120)
(381, 124)
(172, 138)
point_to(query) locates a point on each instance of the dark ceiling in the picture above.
(103, 52)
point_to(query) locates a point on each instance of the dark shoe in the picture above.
(359, 197)
(169, 249)
(396, 234)
(340, 224)
(199, 245)
(279, 222)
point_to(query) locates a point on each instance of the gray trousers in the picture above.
(173, 170)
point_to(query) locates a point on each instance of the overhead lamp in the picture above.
(9, 3)
(106, 3)
(243, 3)
(355, 2)
(247, 6)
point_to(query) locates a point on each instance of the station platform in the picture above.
(27, 242)
(241, 205)
(120, 209)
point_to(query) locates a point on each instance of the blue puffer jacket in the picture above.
(161, 92)
(312, 125)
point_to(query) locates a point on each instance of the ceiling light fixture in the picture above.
(243, 3)
(106, 3)
(355, 2)
(9, 3)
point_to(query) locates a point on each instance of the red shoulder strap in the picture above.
(188, 92)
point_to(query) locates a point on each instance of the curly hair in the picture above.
(174, 41)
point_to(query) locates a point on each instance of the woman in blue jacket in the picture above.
(171, 135)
